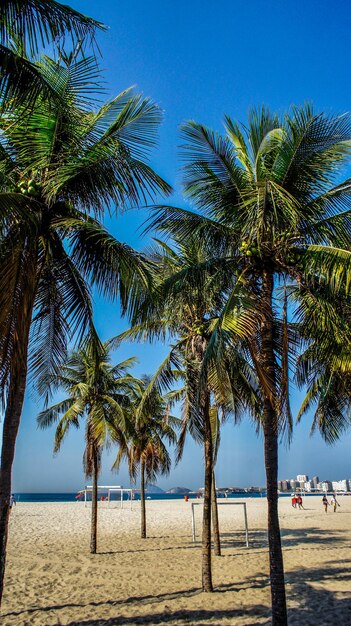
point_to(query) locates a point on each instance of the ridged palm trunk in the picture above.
(14, 404)
(215, 522)
(94, 502)
(142, 500)
(206, 522)
(270, 430)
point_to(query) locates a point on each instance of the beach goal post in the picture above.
(193, 523)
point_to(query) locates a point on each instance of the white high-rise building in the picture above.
(302, 478)
(340, 485)
(308, 485)
(325, 485)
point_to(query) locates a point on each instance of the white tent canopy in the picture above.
(110, 489)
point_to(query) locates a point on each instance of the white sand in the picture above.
(52, 579)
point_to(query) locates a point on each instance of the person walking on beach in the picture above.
(299, 501)
(12, 500)
(334, 502)
(293, 501)
(325, 503)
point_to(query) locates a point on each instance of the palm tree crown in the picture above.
(96, 390)
(61, 167)
(152, 426)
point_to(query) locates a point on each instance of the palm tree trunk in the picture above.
(206, 522)
(14, 404)
(270, 430)
(11, 423)
(215, 523)
(94, 503)
(142, 499)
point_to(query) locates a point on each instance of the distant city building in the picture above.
(302, 478)
(283, 485)
(340, 485)
(302, 482)
(325, 485)
(315, 481)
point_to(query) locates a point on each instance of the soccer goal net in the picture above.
(193, 519)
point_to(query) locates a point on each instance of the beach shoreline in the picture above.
(53, 579)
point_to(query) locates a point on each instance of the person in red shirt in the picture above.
(299, 501)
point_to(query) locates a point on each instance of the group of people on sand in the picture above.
(333, 502)
(296, 501)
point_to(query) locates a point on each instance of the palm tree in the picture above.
(60, 167)
(144, 447)
(26, 27)
(100, 393)
(267, 202)
(188, 316)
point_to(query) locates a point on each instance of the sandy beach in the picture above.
(52, 579)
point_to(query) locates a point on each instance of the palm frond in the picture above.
(36, 23)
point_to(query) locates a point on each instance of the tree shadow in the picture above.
(134, 550)
(319, 605)
(311, 535)
(200, 616)
(146, 599)
(258, 538)
(142, 600)
(308, 592)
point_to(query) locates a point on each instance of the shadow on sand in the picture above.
(307, 589)
(318, 605)
(258, 539)
(201, 617)
(315, 606)
(139, 600)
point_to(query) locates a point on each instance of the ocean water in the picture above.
(71, 497)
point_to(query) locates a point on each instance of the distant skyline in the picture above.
(201, 60)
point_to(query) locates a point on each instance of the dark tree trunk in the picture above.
(14, 404)
(206, 522)
(270, 430)
(279, 615)
(215, 522)
(94, 503)
(142, 500)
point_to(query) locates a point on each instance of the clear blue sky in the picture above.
(200, 60)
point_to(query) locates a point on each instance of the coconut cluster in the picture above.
(248, 249)
(28, 187)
